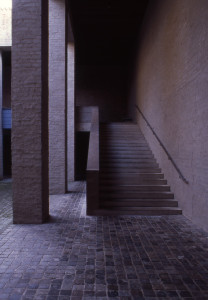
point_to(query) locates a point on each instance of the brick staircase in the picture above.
(131, 181)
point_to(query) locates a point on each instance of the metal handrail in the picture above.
(164, 148)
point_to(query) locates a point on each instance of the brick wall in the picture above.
(1, 131)
(57, 97)
(29, 105)
(172, 88)
(70, 106)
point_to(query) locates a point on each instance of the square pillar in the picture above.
(57, 96)
(30, 111)
(1, 129)
(70, 104)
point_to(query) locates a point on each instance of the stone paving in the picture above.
(5, 204)
(79, 257)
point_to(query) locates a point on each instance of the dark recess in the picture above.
(7, 153)
(82, 145)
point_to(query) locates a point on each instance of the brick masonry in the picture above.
(57, 97)
(172, 93)
(70, 105)
(1, 130)
(29, 105)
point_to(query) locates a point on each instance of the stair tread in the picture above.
(137, 185)
(149, 182)
(136, 211)
(115, 201)
(140, 192)
(129, 170)
(135, 197)
(129, 174)
(150, 208)
(140, 204)
(136, 162)
(133, 187)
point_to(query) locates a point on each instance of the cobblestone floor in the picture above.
(79, 257)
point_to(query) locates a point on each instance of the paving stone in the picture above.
(74, 256)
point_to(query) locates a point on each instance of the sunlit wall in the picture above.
(5, 23)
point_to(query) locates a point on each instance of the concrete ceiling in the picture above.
(106, 31)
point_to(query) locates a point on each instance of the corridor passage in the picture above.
(79, 257)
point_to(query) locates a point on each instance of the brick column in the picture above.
(30, 111)
(70, 105)
(57, 96)
(1, 129)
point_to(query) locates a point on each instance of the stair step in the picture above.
(130, 149)
(116, 131)
(146, 164)
(140, 203)
(121, 167)
(130, 181)
(127, 150)
(133, 188)
(137, 195)
(133, 140)
(113, 140)
(145, 211)
(128, 133)
(115, 128)
(126, 158)
(129, 162)
(127, 170)
(123, 146)
(138, 139)
(138, 176)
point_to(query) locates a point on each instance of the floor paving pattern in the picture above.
(78, 257)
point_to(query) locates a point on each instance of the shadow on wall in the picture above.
(7, 153)
(103, 86)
